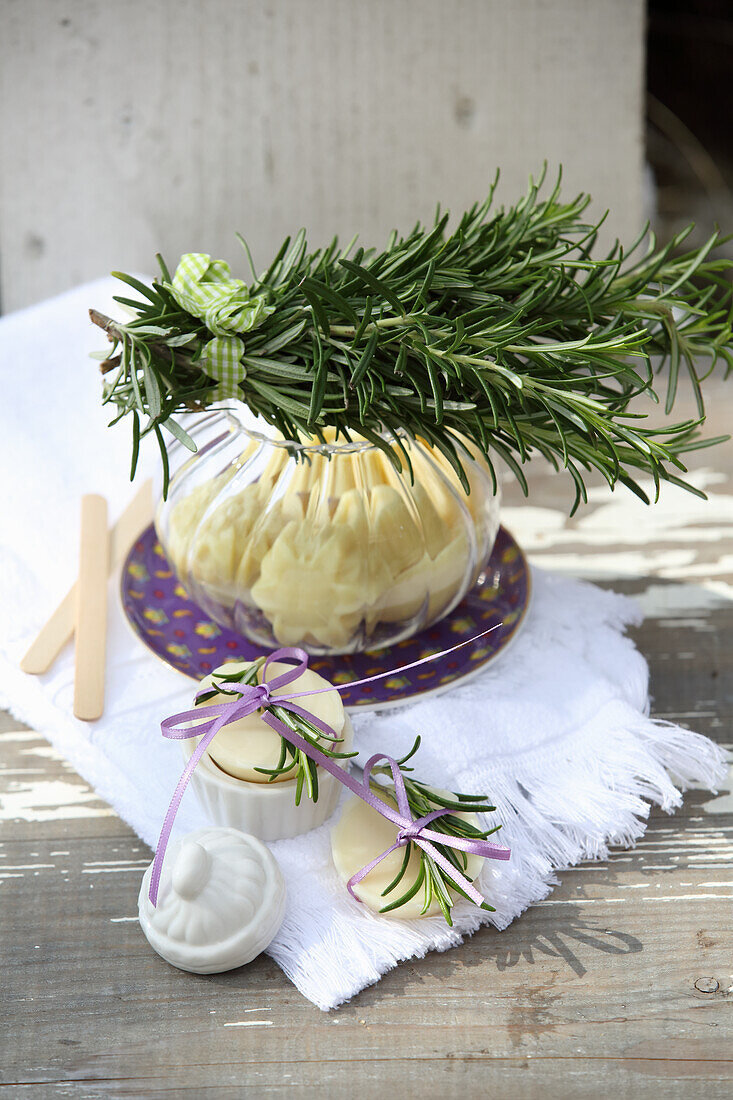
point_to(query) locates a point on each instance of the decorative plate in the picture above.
(178, 631)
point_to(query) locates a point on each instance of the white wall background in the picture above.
(133, 127)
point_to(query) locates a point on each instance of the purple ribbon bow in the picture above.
(205, 722)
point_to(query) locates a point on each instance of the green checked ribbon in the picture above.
(205, 289)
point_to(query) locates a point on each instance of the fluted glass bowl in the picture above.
(323, 546)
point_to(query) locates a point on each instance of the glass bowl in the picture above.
(323, 546)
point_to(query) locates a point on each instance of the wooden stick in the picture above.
(52, 637)
(91, 609)
(59, 629)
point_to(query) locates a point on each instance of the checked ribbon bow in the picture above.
(205, 289)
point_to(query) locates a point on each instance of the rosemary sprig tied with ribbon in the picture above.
(507, 335)
(434, 880)
(293, 761)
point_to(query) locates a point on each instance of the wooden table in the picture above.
(621, 983)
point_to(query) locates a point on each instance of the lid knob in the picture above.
(192, 870)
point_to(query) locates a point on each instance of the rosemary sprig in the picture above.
(292, 762)
(422, 800)
(506, 334)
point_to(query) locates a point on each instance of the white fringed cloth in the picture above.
(557, 732)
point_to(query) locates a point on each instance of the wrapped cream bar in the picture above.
(232, 781)
(360, 835)
(326, 545)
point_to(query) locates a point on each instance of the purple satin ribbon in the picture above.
(205, 722)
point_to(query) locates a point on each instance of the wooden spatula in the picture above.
(59, 629)
(91, 609)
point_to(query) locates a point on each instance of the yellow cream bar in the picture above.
(242, 747)
(359, 836)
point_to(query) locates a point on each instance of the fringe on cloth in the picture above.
(555, 813)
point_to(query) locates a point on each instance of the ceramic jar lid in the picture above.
(220, 903)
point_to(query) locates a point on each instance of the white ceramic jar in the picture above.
(266, 810)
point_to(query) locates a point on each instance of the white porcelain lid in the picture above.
(221, 901)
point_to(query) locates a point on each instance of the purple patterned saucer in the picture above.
(179, 632)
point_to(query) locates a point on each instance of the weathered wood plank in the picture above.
(567, 992)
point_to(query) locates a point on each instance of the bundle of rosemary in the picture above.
(507, 334)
